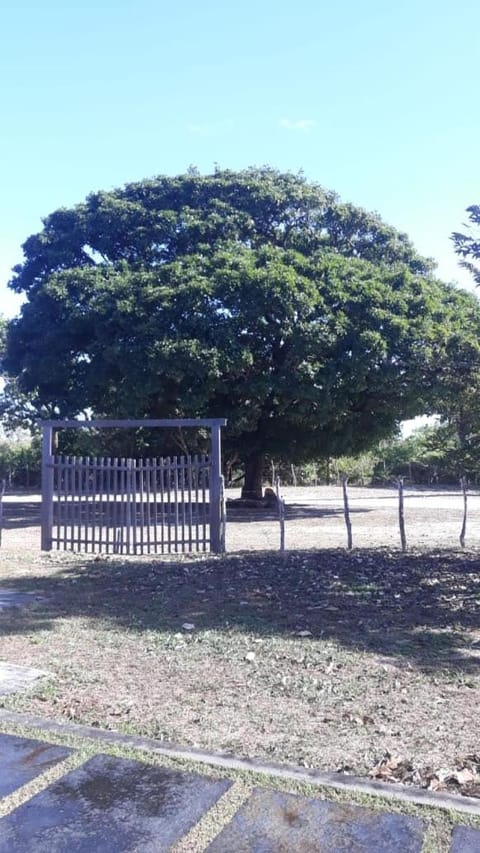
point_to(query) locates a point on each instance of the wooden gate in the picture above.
(132, 506)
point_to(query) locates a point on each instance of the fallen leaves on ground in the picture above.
(396, 768)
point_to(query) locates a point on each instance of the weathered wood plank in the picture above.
(146, 422)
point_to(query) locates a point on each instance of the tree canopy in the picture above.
(468, 245)
(310, 324)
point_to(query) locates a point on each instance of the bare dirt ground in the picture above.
(364, 662)
(314, 519)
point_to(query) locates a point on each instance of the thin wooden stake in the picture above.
(401, 514)
(2, 492)
(463, 483)
(223, 516)
(281, 515)
(346, 513)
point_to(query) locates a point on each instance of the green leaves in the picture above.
(312, 325)
(468, 245)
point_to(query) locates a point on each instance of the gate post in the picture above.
(215, 492)
(47, 489)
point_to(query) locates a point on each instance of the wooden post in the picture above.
(463, 483)
(2, 492)
(223, 518)
(215, 491)
(281, 516)
(401, 514)
(47, 489)
(346, 513)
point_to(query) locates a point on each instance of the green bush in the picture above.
(20, 463)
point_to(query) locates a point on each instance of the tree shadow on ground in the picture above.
(24, 514)
(418, 608)
(21, 514)
(292, 510)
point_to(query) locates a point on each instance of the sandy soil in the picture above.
(314, 519)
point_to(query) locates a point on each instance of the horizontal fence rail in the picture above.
(131, 506)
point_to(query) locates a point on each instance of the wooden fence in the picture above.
(131, 506)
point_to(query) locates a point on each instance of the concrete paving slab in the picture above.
(272, 820)
(109, 805)
(225, 761)
(465, 840)
(22, 759)
(14, 677)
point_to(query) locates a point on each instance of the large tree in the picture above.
(310, 324)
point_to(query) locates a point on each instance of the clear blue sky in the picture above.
(377, 100)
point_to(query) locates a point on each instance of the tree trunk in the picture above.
(252, 489)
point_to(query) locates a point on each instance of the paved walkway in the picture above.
(56, 797)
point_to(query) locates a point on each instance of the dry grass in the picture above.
(321, 658)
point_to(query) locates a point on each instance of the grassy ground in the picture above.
(363, 662)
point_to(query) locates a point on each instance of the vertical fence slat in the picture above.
(94, 513)
(69, 475)
(165, 498)
(103, 505)
(182, 498)
(158, 480)
(189, 504)
(197, 500)
(147, 505)
(168, 474)
(62, 476)
(116, 506)
(71, 508)
(112, 504)
(155, 484)
(84, 501)
(101, 517)
(205, 483)
(132, 494)
(75, 520)
(141, 521)
(175, 497)
(69, 485)
(126, 521)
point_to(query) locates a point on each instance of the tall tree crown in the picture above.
(156, 221)
(310, 323)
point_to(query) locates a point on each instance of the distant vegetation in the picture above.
(20, 463)
(430, 456)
